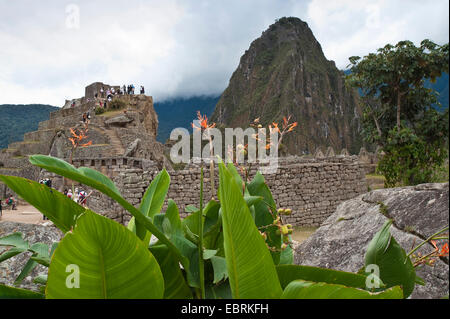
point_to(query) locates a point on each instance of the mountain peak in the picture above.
(284, 72)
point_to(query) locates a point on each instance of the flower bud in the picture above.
(284, 246)
(284, 230)
(288, 211)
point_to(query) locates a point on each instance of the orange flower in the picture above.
(275, 127)
(292, 126)
(203, 122)
(434, 245)
(86, 144)
(77, 138)
(444, 250)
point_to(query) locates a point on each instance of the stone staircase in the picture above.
(114, 140)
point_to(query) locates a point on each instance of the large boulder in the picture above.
(11, 268)
(120, 120)
(417, 213)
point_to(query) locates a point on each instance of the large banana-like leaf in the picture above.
(299, 289)
(7, 292)
(289, 273)
(60, 209)
(264, 216)
(175, 286)
(251, 270)
(394, 267)
(152, 202)
(103, 259)
(103, 184)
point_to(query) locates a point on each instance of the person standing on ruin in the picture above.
(124, 89)
(102, 91)
(142, 89)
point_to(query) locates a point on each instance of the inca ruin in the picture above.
(124, 148)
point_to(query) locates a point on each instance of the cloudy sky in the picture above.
(50, 50)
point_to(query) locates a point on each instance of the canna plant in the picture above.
(222, 250)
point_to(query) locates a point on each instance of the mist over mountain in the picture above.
(180, 112)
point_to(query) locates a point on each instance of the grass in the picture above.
(383, 209)
(441, 175)
(301, 233)
(374, 181)
(110, 113)
(375, 177)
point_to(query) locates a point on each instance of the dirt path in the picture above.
(24, 214)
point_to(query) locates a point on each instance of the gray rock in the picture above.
(120, 120)
(11, 268)
(131, 150)
(417, 212)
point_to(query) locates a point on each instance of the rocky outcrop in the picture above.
(417, 212)
(120, 120)
(11, 268)
(131, 150)
(284, 72)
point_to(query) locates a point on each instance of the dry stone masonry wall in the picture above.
(312, 188)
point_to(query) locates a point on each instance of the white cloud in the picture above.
(358, 27)
(181, 48)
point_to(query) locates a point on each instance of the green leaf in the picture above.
(7, 292)
(287, 256)
(29, 266)
(109, 260)
(265, 212)
(300, 289)
(15, 239)
(153, 200)
(208, 253)
(41, 279)
(60, 209)
(175, 286)
(289, 273)
(19, 245)
(103, 184)
(173, 215)
(420, 281)
(190, 251)
(39, 250)
(191, 209)
(252, 200)
(394, 267)
(251, 270)
(220, 268)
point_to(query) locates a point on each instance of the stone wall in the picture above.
(312, 188)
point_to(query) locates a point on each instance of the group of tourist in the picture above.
(124, 90)
(86, 118)
(10, 202)
(79, 196)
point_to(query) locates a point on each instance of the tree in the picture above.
(400, 113)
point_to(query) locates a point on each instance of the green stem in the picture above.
(426, 241)
(200, 239)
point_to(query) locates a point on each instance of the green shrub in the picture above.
(99, 110)
(117, 105)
